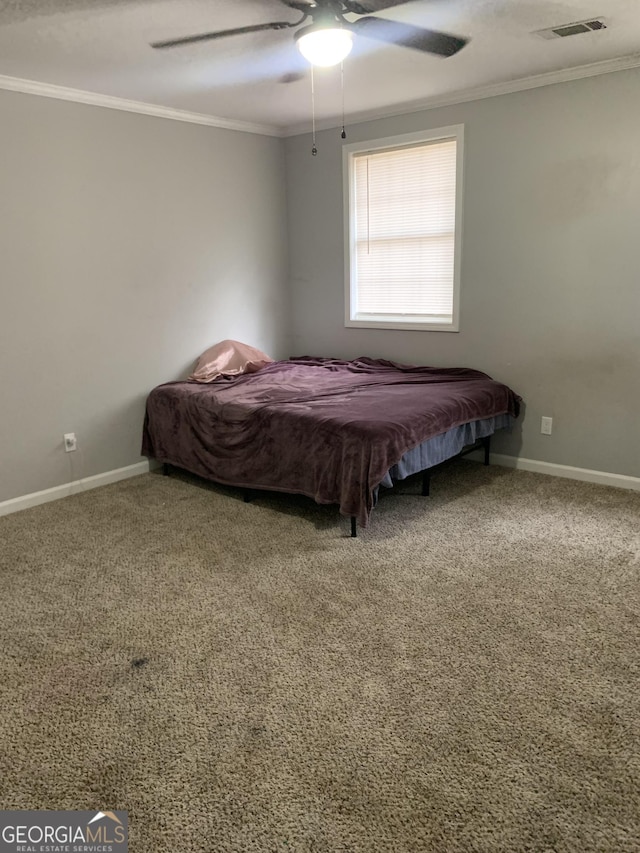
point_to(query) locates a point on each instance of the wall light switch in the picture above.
(546, 426)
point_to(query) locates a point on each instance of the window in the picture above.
(403, 217)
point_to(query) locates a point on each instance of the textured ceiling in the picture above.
(102, 46)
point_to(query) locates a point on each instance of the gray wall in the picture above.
(550, 298)
(128, 245)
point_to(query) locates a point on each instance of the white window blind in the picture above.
(403, 233)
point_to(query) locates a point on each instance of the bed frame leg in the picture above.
(426, 483)
(354, 528)
(166, 469)
(487, 448)
(247, 496)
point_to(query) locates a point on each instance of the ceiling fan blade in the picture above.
(368, 7)
(274, 25)
(394, 32)
(300, 5)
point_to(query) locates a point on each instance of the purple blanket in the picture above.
(321, 427)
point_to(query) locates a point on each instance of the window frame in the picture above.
(405, 140)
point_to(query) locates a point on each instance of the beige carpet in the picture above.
(464, 676)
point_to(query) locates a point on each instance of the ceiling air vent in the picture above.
(573, 29)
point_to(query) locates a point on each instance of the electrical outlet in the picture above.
(546, 426)
(70, 442)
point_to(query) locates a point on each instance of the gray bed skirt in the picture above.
(441, 447)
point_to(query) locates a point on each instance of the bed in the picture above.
(334, 430)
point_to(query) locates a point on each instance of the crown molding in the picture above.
(79, 96)
(564, 75)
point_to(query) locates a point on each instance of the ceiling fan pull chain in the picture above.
(344, 132)
(314, 149)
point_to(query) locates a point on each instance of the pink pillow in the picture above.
(228, 358)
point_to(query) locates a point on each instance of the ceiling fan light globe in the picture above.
(324, 46)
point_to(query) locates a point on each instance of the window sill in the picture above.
(408, 325)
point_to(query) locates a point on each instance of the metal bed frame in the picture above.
(482, 443)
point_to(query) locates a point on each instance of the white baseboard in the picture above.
(620, 481)
(57, 492)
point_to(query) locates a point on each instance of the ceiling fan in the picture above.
(327, 39)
